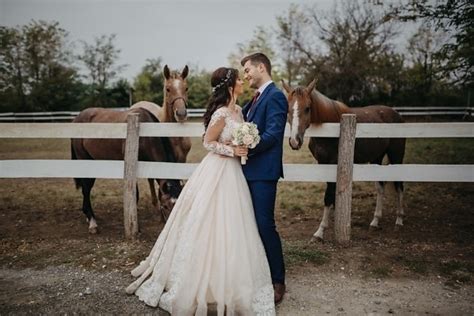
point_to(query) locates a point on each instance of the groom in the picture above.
(268, 109)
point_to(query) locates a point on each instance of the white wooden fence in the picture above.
(67, 116)
(293, 172)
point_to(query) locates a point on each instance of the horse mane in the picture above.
(165, 141)
(326, 109)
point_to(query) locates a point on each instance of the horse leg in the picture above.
(137, 195)
(154, 199)
(379, 186)
(400, 210)
(329, 199)
(395, 153)
(87, 184)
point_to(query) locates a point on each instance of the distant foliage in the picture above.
(354, 51)
(38, 71)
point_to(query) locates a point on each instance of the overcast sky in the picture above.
(197, 32)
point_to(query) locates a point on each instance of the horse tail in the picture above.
(74, 157)
(168, 149)
(396, 149)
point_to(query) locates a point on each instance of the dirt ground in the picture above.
(50, 264)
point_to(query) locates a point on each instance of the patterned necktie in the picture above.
(254, 101)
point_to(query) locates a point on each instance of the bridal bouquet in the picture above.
(246, 135)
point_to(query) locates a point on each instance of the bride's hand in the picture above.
(240, 151)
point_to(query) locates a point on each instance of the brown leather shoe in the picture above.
(279, 290)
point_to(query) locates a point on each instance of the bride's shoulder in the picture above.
(219, 114)
(222, 111)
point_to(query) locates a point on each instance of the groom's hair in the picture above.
(258, 58)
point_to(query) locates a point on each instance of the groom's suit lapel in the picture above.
(259, 101)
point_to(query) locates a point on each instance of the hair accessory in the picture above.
(223, 81)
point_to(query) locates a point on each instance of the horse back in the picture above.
(112, 149)
(367, 150)
(101, 115)
(151, 107)
(377, 114)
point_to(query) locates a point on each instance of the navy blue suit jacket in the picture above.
(265, 160)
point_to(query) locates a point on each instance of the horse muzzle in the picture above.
(296, 143)
(181, 115)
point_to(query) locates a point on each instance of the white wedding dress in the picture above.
(209, 255)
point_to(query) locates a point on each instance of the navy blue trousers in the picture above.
(263, 199)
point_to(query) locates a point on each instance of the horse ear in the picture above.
(166, 72)
(286, 86)
(185, 72)
(312, 85)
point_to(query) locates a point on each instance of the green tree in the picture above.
(148, 84)
(100, 60)
(118, 94)
(13, 77)
(36, 68)
(199, 87)
(345, 50)
(261, 41)
(294, 36)
(457, 18)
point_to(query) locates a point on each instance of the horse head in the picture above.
(168, 194)
(176, 93)
(299, 111)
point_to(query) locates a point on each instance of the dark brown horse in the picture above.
(150, 148)
(308, 106)
(175, 96)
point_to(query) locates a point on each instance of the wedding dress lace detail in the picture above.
(222, 122)
(209, 256)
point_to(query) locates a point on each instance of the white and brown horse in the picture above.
(173, 111)
(307, 106)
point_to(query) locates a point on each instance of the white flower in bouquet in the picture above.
(246, 135)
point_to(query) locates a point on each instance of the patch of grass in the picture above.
(416, 265)
(451, 266)
(296, 253)
(457, 271)
(381, 271)
(439, 151)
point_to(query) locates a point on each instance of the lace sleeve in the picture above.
(214, 129)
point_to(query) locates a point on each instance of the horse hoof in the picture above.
(398, 228)
(93, 230)
(315, 239)
(374, 228)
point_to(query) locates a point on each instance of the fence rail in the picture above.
(67, 116)
(119, 130)
(114, 169)
(293, 172)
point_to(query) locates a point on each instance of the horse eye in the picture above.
(167, 89)
(306, 110)
(186, 89)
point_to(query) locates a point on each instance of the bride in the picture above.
(209, 254)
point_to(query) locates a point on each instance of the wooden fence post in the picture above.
(130, 178)
(345, 163)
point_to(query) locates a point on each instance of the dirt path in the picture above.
(66, 289)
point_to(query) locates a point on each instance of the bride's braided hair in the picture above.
(221, 80)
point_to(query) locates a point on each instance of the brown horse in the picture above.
(150, 149)
(175, 96)
(308, 106)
